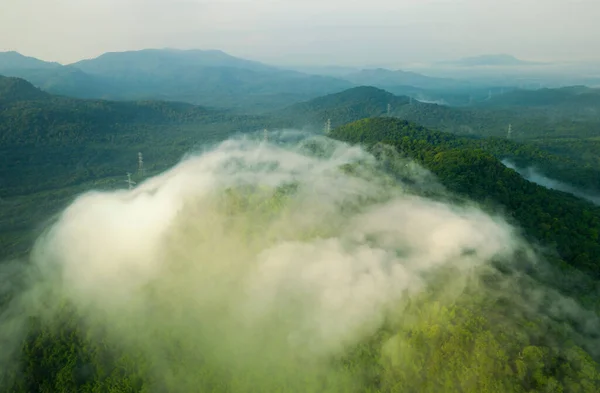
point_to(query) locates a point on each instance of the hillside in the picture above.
(556, 132)
(465, 167)
(17, 89)
(343, 107)
(52, 147)
(50, 142)
(529, 121)
(42, 135)
(365, 247)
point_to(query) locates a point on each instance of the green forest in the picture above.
(503, 332)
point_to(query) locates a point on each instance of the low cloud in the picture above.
(257, 263)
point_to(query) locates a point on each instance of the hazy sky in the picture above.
(344, 32)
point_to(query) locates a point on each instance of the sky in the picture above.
(306, 32)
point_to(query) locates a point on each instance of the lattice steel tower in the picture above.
(140, 164)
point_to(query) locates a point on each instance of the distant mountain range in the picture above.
(581, 97)
(210, 78)
(14, 61)
(382, 77)
(501, 60)
(213, 78)
(204, 77)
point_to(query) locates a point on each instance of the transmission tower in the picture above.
(389, 109)
(129, 181)
(266, 134)
(328, 126)
(509, 133)
(140, 164)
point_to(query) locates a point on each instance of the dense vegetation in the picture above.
(482, 341)
(465, 167)
(558, 144)
(344, 107)
(471, 346)
(51, 142)
(499, 339)
(48, 143)
(52, 147)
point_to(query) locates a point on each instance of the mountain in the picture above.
(84, 134)
(211, 78)
(499, 60)
(384, 78)
(68, 81)
(15, 61)
(441, 90)
(464, 167)
(17, 89)
(524, 320)
(208, 78)
(343, 107)
(483, 119)
(52, 147)
(55, 78)
(553, 130)
(163, 62)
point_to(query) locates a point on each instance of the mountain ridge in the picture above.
(17, 89)
(499, 60)
(208, 78)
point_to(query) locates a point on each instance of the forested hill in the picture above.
(31, 116)
(49, 142)
(476, 342)
(528, 122)
(371, 102)
(343, 107)
(17, 89)
(468, 167)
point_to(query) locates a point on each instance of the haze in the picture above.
(306, 32)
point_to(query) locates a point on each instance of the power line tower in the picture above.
(140, 164)
(328, 126)
(389, 109)
(129, 181)
(509, 133)
(266, 134)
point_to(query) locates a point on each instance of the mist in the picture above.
(257, 266)
(534, 176)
